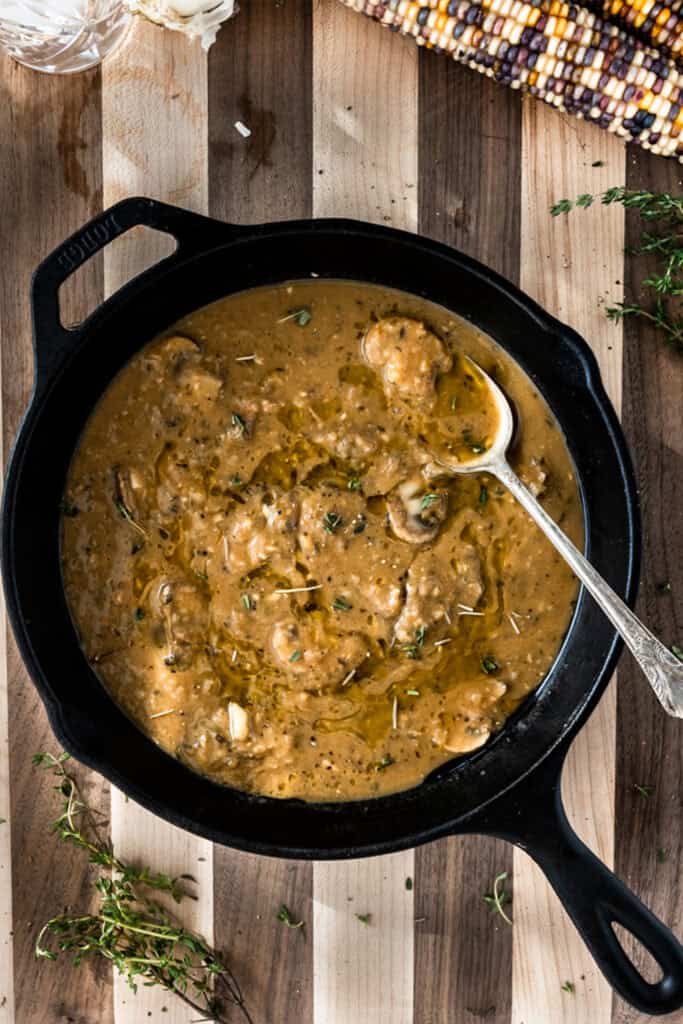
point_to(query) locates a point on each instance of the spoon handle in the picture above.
(662, 668)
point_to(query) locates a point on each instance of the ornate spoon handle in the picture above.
(662, 668)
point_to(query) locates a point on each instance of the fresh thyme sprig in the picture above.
(499, 897)
(128, 928)
(665, 283)
(284, 915)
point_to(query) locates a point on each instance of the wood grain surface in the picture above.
(346, 120)
(571, 265)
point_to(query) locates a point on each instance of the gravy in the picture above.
(262, 567)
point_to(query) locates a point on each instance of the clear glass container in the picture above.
(62, 36)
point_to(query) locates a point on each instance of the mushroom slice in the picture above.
(469, 723)
(415, 516)
(462, 738)
(129, 496)
(182, 609)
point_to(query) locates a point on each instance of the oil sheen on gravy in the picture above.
(265, 574)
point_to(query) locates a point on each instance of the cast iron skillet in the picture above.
(511, 787)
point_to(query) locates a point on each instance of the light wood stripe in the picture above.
(155, 142)
(364, 166)
(260, 73)
(570, 265)
(364, 120)
(363, 973)
(469, 198)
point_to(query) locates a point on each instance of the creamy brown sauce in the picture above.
(264, 569)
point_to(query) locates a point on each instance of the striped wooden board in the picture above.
(346, 120)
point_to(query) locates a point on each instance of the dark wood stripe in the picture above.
(273, 963)
(470, 150)
(649, 750)
(51, 183)
(469, 195)
(260, 73)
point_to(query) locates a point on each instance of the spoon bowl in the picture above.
(496, 452)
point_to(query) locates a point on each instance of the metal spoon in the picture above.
(662, 668)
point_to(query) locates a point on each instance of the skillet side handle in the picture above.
(52, 342)
(535, 820)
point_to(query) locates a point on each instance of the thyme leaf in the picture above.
(489, 664)
(569, 987)
(413, 649)
(427, 501)
(284, 915)
(364, 918)
(332, 522)
(301, 316)
(239, 424)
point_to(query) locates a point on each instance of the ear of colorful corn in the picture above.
(559, 52)
(658, 24)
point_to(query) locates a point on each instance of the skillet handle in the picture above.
(532, 817)
(52, 342)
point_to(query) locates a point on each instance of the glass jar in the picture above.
(62, 36)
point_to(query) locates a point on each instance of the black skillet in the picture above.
(511, 787)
